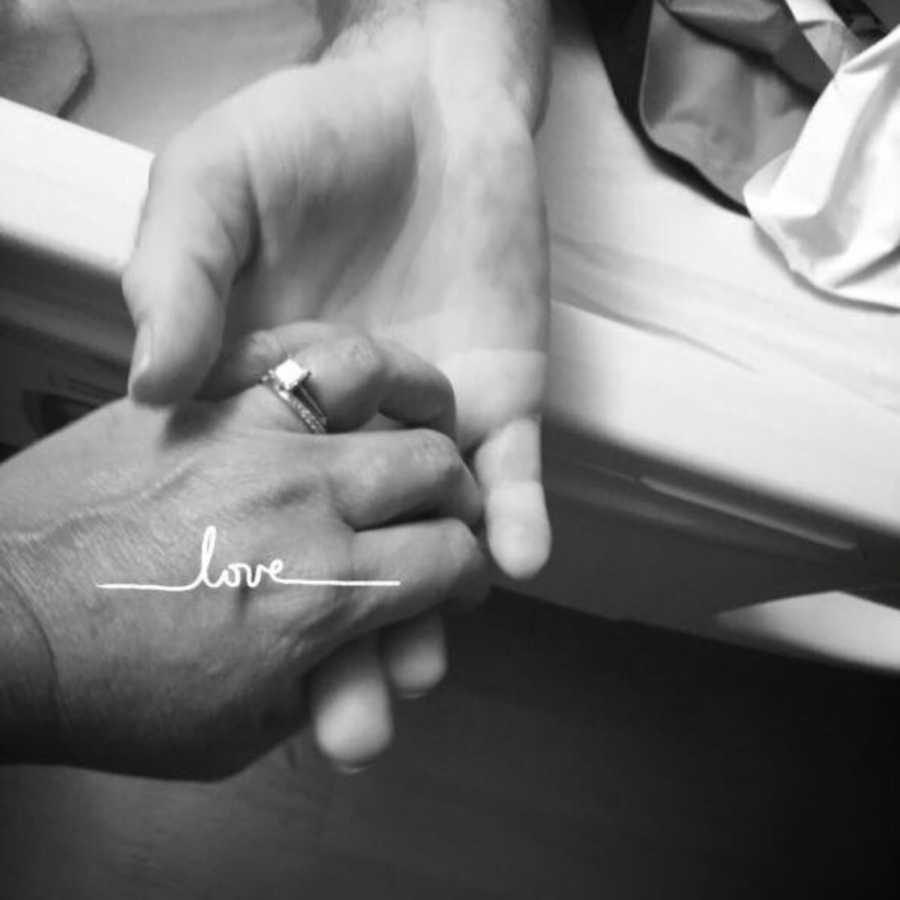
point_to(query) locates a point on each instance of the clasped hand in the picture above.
(354, 191)
(198, 683)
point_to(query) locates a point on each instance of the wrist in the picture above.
(474, 54)
(28, 719)
(480, 58)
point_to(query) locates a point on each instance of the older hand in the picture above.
(197, 682)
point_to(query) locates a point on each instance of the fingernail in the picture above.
(346, 769)
(412, 695)
(142, 360)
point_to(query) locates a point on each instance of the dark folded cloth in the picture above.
(722, 86)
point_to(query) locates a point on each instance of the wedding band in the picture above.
(286, 380)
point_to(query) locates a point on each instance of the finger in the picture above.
(350, 705)
(435, 562)
(353, 377)
(389, 476)
(196, 232)
(415, 654)
(508, 467)
(243, 362)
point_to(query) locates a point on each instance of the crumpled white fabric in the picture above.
(832, 203)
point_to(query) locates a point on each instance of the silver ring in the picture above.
(286, 380)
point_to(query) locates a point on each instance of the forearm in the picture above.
(27, 715)
(475, 47)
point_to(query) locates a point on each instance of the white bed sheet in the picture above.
(633, 242)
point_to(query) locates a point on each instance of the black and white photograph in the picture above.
(449, 449)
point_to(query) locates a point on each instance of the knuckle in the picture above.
(259, 351)
(438, 397)
(459, 540)
(437, 453)
(364, 356)
(461, 546)
(366, 479)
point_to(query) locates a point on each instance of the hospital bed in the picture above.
(720, 441)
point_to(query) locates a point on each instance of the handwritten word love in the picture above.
(237, 573)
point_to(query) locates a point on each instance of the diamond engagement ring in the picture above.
(286, 380)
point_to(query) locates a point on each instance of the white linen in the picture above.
(830, 204)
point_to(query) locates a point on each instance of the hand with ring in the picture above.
(354, 191)
(350, 693)
(137, 639)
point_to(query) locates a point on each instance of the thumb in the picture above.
(195, 234)
(508, 467)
